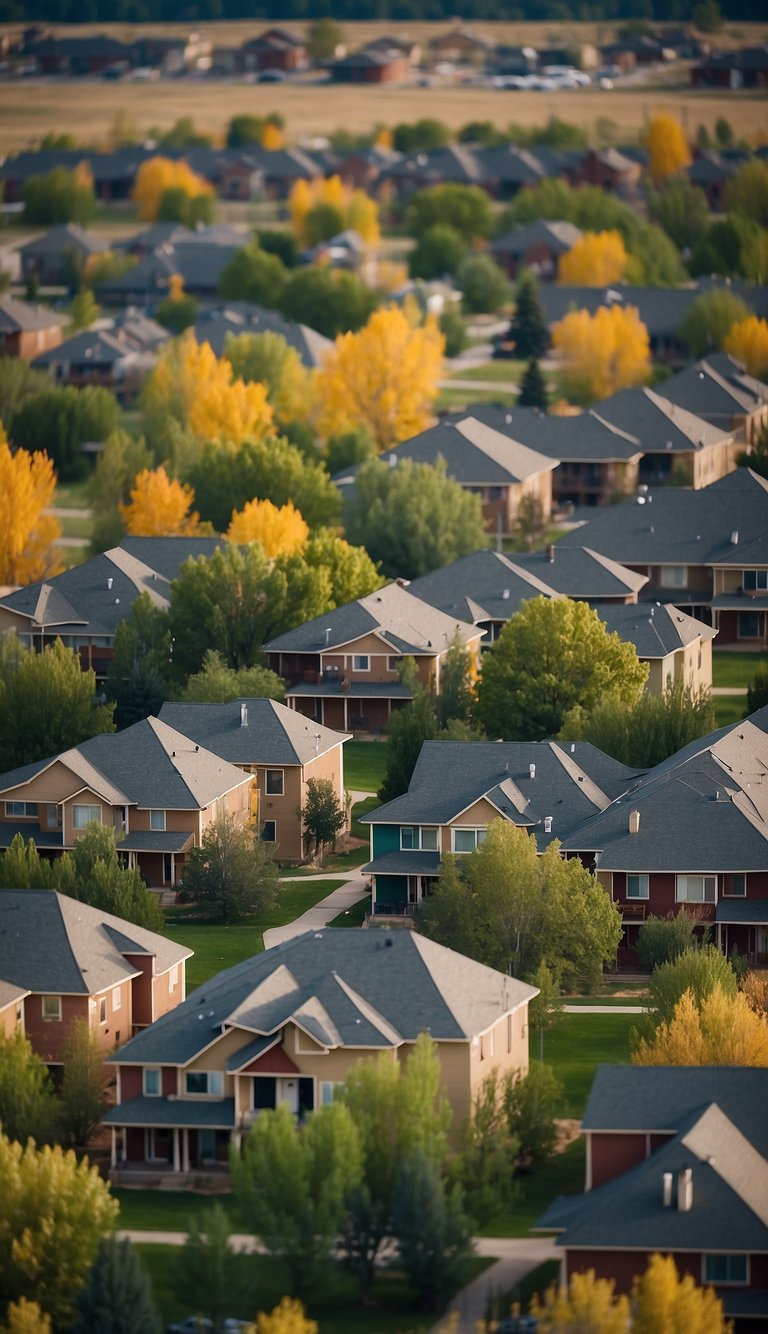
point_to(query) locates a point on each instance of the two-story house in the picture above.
(676, 646)
(157, 789)
(279, 747)
(718, 389)
(288, 1026)
(679, 447)
(27, 329)
(343, 669)
(63, 961)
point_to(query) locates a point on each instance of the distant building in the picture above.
(27, 329)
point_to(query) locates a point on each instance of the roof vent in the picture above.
(110, 582)
(117, 602)
(531, 770)
(328, 633)
(667, 1179)
(392, 460)
(573, 747)
(634, 822)
(505, 595)
(735, 537)
(243, 715)
(685, 1190)
(551, 553)
(547, 824)
(388, 943)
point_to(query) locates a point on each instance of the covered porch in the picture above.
(743, 927)
(401, 881)
(348, 706)
(160, 1136)
(159, 855)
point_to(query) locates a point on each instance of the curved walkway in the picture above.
(516, 1257)
(314, 919)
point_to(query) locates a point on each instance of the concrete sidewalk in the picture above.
(314, 919)
(516, 1257)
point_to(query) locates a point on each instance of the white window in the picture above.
(735, 886)
(209, 1082)
(361, 662)
(151, 1082)
(52, 1007)
(673, 576)
(85, 815)
(755, 581)
(102, 1009)
(117, 998)
(696, 889)
(328, 1089)
(21, 808)
(173, 980)
(466, 840)
(726, 1269)
(418, 838)
(637, 886)
(157, 820)
(274, 782)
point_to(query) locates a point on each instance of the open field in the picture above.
(87, 108)
(733, 670)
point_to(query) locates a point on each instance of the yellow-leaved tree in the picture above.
(199, 391)
(272, 137)
(25, 1317)
(587, 1303)
(384, 377)
(596, 260)
(27, 533)
(355, 208)
(159, 506)
(602, 353)
(747, 340)
(664, 1302)
(286, 1318)
(667, 146)
(722, 1030)
(280, 529)
(159, 174)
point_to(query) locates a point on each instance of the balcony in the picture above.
(633, 912)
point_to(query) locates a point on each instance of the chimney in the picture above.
(547, 824)
(634, 822)
(685, 1190)
(243, 715)
(666, 1189)
(531, 770)
(110, 582)
(735, 537)
(551, 553)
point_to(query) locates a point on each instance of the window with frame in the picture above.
(467, 840)
(735, 886)
(21, 808)
(696, 889)
(328, 1089)
(269, 831)
(207, 1082)
(637, 886)
(393, 664)
(52, 1007)
(151, 1082)
(726, 1269)
(274, 782)
(749, 624)
(82, 816)
(673, 576)
(102, 1009)
(117, 998)
(157, 821)
(418, 838)
(361, 662)
(755, 581)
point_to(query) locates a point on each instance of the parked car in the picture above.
(200, 1324)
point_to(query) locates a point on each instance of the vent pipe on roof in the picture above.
(634, 822)
(735, 537)
(505, 595)
(328, 633)
(110, 582)
(243, 715)
(548, 824)
(551, 553)
(685, 1190)
(531, 770)
(666, 1189)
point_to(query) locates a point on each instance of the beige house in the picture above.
(287, 1027)
(676, 646)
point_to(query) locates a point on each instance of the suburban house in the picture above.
(537, 246)
(678, 446)
(288, 1026)
(676, 646)
(61, 960)
(677, 1164)
(461, 46)
(609, 168)
(458, 788)
(157, 789)
(705, 551)
(275, 48)
(27, 329)
(692, 832)
(720, 391)
(242, 317)
(343, 669)
(746, 67)
(278, 746)
(388, 64)
(483, 460)
(98, 357)
(84, 605)
(56, 256)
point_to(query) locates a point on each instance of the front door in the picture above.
(288, 1093)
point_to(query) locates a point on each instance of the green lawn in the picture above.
(733, 670)
(261, 1282)
(217, 947)
(73, 495)
(354, 916)
(729, 709)
(74, 527)
(365, 764)
(564, 1175)
(498, 372)
(577, 1044)
(450, 400)
(171, 1210)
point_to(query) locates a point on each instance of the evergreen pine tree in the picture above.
(528, 329)
(117, 1297)
(533, 388)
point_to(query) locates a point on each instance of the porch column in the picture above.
(185, 1149)
(236, 1139)
(720, 936)
(176, 1162)
(173, 868)
(113, 1150)
(124, 1145)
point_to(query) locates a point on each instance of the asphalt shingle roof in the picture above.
(716, 389)
(272, 733)
(585, 438)
(659, 424)
(655, 631)
(20, 316)
(403, 621)
(557, 236)
(242, 317)
(209, 1114)
(660, 1097)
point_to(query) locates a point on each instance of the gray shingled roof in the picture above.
(273, 734)
(405, 623)
(243, 317)
(746, 911)
(659, 1098)
(716, 389)
(585, 438)
(345, 988)
(10, 994)
(20, 316)
(655, 631)
(557, 236)
(53, 944)
(405, 863)
(63, 238)
(660, 425)
(207, 1115)
(91, 347)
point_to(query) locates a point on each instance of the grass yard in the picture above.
(171, 1210)
(499, 372)
(577, 1044)
(217, 946)
(564, 1175)
(354, 916)
(72, 495)
(261, 1282)
(451, 400)
(729, 709)
(75, 526)
(365, 764)
(733, 671)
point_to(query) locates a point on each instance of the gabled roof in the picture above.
(580, 572)
(53, 944)
(655, 631)
(95, 347)
(559, 237)
(583, 438)
(404, 623)
(659, 424)
(22, 316)
(717, 389)
(366, 989)
(659, 1098)
(271, 734)
(474, 453)
(242, 317)
(65, 237)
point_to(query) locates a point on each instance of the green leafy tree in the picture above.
(177, 313)
(253, 275)
(226, 479)
(722, 248)
(544, 1010)
(483, 286)
(431, 1229)
(528, 329)
(205, 1272)
(184, 134)
(238, 600)
(18, 384)
(343, 451)
(550, 656)
(117, 1297)
(324, 36)
(175, 205)
(644, 734)
(439, 250)
(456, 693)
(293, 1183)
(216, 683)
(28, 1104)
(698, 969)
(661, 939)
(329, 300)
(322, 222)
(413, 518)
(511, 908)
(232, 871)
(58, 196)
(397, 1110)
(248, 129)
(533, 388)
(84, 1085)
(139, 673)
(277, 241)
(746, 193)
(530, 1107)
(47, 704)
(454, 331)
(757, 690)
(66, 419)
(117, 466)
(681, 209)
(465, 208)
(710, 318)
(83, 311)
(322, 816)
(54, 1211)
(420, 136)
(409, 728)
(654, 259)
(488, 1151)
(270, 360)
